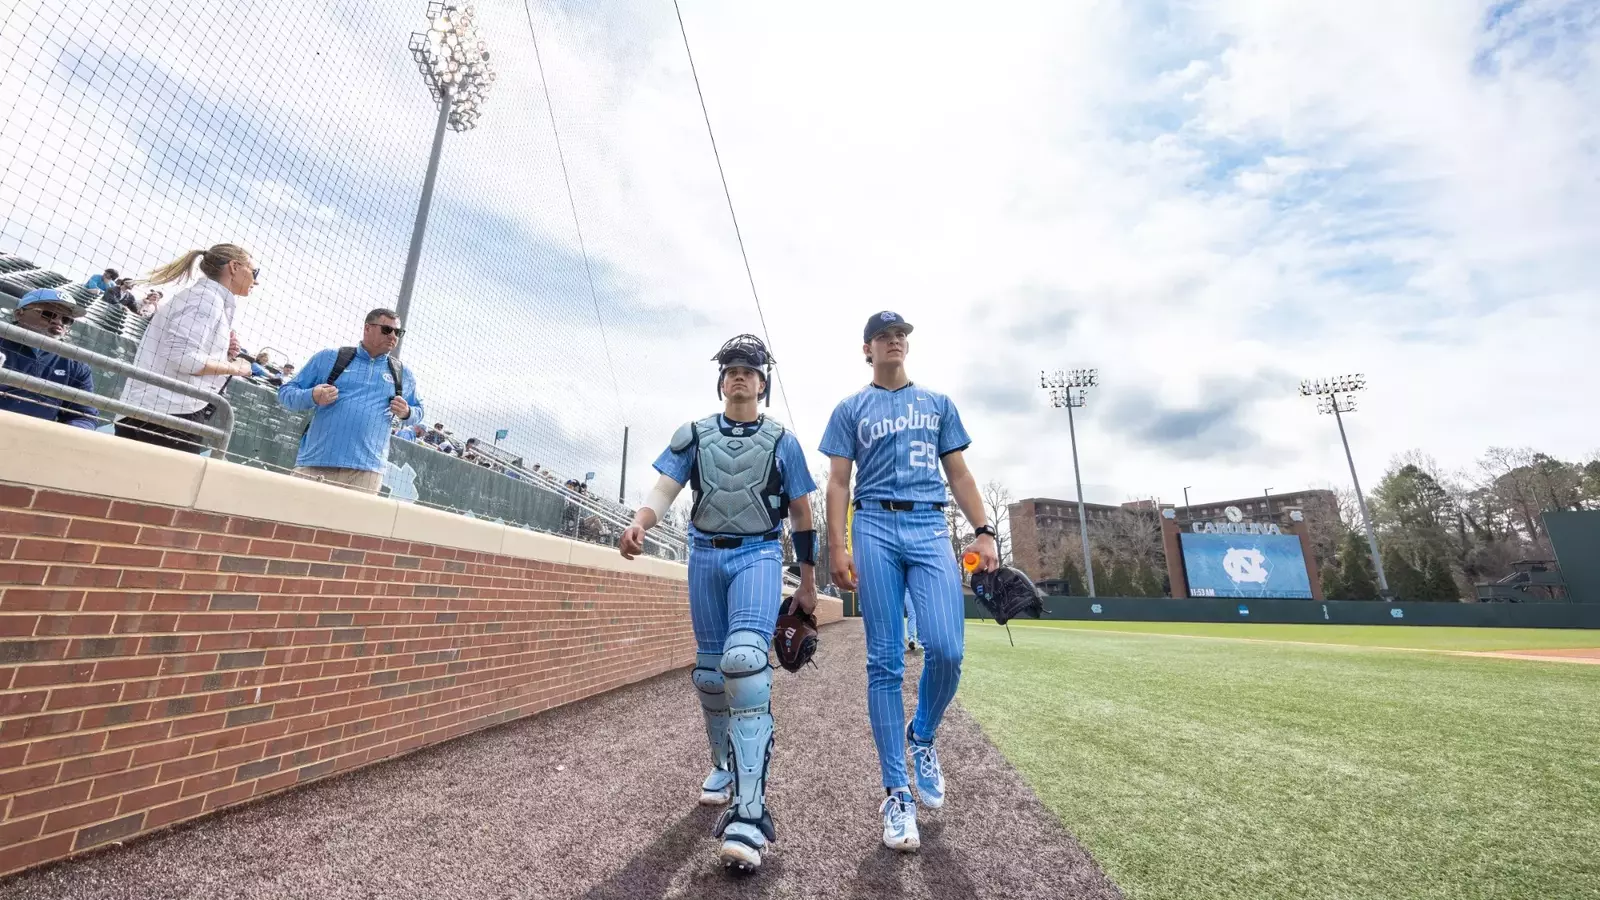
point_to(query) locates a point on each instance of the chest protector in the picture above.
(735, 478)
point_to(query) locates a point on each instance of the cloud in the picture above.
(1206, 201)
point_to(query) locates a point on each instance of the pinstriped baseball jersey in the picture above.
(896, 439)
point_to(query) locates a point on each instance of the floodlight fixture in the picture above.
(454, 63)
(1068, 389)
(1336, 396)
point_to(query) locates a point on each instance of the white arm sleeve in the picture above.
(662, 495)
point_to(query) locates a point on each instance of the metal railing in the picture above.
(214, 434)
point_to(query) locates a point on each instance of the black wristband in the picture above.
(985, 529)
(805, 547)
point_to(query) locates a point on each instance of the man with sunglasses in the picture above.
(355, 394)
(51, 314)
(747, 473)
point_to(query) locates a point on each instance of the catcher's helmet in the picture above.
(745, 351)
(795, 636)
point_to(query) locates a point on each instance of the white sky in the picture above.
(1206, 200)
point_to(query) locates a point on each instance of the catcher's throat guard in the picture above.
(795, 636)
(1007, 594)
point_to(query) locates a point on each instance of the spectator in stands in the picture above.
(103, 281)
(190, 339)
(150, 303)
(287, 370)
(348, 441)
(50, 313)
(436, 439)
(412, 433)
(121, 293)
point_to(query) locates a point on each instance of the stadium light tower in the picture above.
(1335, 397)
(1068, 390)
(455, 66)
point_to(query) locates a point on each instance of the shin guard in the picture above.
(748, 679)
(708, 682)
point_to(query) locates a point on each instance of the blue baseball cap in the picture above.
(45, 295)
(879, 322)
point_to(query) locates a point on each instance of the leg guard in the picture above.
(708, 682)
(748, 679)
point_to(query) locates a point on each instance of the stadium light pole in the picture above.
(1186, 513)
(1267, 493)
(1335, 397)
(1068, 390)
(455, 66)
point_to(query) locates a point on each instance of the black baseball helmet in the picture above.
(748, 352)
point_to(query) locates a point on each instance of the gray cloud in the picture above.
(1218, 427)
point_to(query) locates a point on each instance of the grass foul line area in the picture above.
(1213, 769)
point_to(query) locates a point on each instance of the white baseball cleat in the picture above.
(717, 789)
(741, 847)
(900, 822)
(926, 771)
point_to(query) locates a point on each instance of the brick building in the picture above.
(1044, 531)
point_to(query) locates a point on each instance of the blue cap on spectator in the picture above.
(44, 295)
(880, 322)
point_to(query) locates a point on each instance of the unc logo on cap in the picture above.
(888, 316)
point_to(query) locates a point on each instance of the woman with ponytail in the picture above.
(190, 338)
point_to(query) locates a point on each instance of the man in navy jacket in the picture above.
(47, 312)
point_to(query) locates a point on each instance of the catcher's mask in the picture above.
(795, 637)
(748, 352)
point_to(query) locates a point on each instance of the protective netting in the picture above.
(557, 298)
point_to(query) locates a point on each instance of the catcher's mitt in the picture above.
(795, 637)
(1007, 593)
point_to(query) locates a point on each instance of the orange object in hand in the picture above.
(970, 561)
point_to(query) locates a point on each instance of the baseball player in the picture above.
(747, 473)
(897, 434)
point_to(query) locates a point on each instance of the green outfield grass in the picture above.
(1416, 637)
(1215, 770)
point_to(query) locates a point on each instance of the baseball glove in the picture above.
(795, 637)
(1007, 594)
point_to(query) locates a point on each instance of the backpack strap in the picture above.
(340, 363)
(396, 372)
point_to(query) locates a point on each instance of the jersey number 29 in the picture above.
(923, 455)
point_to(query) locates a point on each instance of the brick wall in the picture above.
(158, 662)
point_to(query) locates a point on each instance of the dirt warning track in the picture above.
(596, 800)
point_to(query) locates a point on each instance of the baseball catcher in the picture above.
(748, 474)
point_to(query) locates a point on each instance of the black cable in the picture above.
(731, 214)
(587, 271)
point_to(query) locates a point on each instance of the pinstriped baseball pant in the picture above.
(734, 590)
(895, 551)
